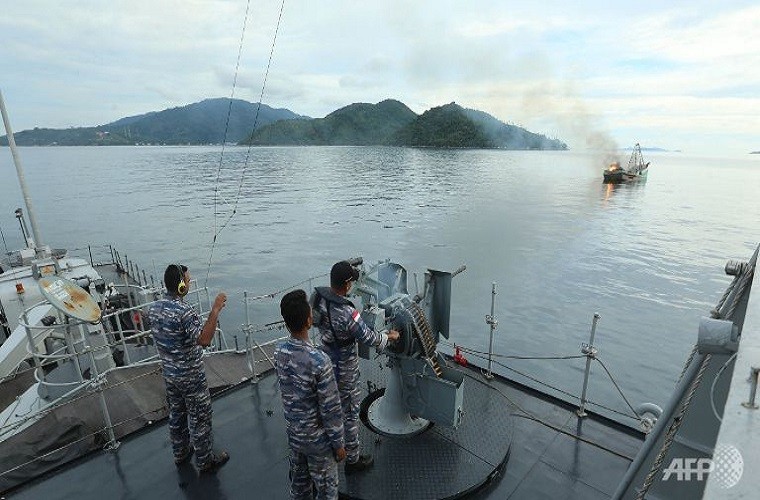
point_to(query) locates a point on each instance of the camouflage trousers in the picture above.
(346, 367)
(189, 404)
(313, 477)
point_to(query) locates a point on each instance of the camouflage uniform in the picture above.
(313, 415)
(176, 327)
(340, 326)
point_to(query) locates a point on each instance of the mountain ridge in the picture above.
(203, 122)
(389, 122)
(392, 123)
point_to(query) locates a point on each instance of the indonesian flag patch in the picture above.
(355, 316)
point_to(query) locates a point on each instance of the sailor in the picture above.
(340, 327)
(180, 338)
(312, 405)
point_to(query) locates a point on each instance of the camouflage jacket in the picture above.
(176, 327)
(310, 397)
(340, 323)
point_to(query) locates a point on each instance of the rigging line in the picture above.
(229, 110)
(226, 129)
(635, 416)
(714, 383)
(530, 416)
(468, 350)
(250, 144)
(534, 379)
(572, 435)
(620, 391)
(462, 447)
(255, 120)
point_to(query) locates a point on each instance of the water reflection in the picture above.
(559, 243)
(632, 189)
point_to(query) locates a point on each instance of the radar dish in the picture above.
(69, 298)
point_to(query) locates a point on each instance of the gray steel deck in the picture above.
(544, 462)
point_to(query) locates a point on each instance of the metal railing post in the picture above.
(71, 345)
(137, 275)
(590, 351)
(29, 336)
(492, 322)
(98, 382)
(127, 357)
(753, 374)
(248, 349)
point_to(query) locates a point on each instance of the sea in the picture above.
(558, 244)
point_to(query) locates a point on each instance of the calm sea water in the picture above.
(559, 244)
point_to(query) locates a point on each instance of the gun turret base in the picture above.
(388, 415)
(380, 420)
(438, 461)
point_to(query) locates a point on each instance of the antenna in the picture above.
(20, 173)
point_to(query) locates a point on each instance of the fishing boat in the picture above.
(635, 170)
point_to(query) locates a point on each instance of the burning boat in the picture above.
(636, 169)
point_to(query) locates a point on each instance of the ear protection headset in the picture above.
(181, 286)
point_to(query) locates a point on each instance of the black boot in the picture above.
(185, 456)
(217, 460)
(364, 462)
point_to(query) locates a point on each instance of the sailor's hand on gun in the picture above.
(219, 302)
(393, 336)
(340, 454)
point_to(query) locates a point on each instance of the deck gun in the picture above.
(420, 387)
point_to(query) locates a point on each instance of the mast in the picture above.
(636, 162)
(20, 172)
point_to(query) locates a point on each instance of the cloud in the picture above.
(555, 68)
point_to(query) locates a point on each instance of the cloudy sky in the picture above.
(677, 75)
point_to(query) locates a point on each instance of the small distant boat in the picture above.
(636, 169)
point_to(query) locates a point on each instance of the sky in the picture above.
(597, 74)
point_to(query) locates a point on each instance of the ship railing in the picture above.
(107, 255)
(76, 345)
(75, 335)
(250, 329)
(644, 415)
(96, 384)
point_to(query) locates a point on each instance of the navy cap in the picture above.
(343, 272)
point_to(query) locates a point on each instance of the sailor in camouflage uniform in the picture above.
(179, 339)
(311, 403)
(341, 326)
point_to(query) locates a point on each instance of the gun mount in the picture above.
(420, 389)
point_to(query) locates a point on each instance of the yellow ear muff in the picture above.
(181, 286)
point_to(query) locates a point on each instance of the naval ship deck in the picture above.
(560, 456)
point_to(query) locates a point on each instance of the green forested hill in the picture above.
(443, 127)
(359, 124)
(199, 123)
(388, 122)
(391, 122)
